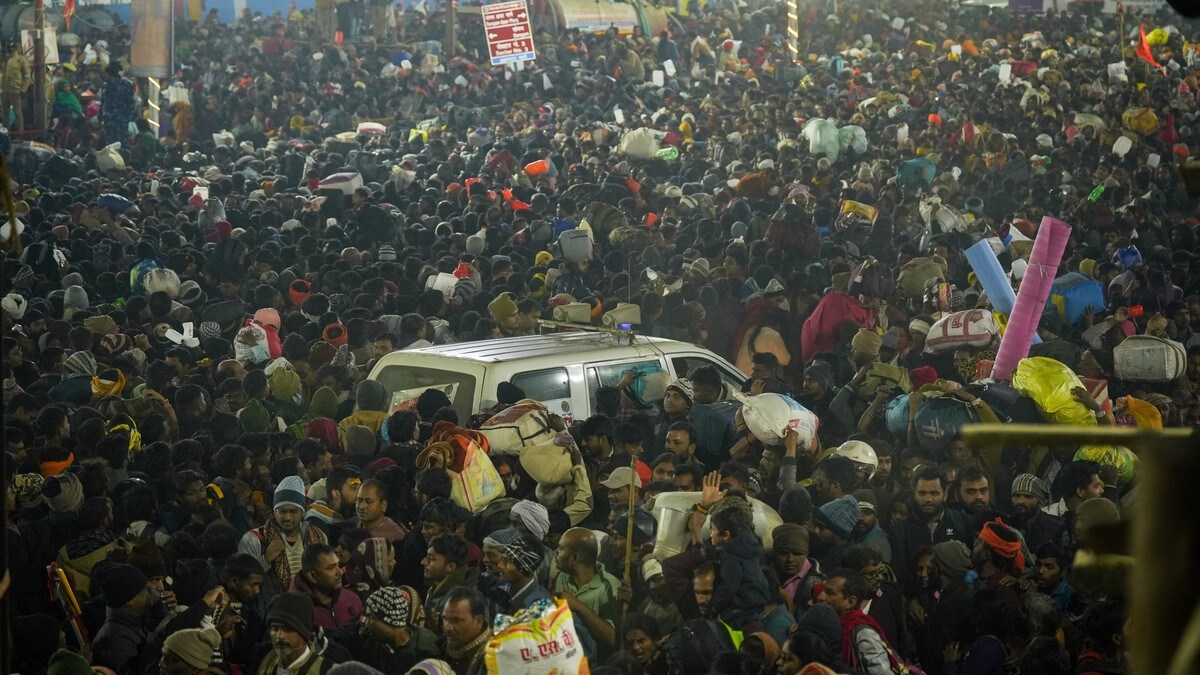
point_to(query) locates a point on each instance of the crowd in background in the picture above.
(189, 320)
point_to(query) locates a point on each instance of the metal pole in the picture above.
(451, 28)
(39, 65)
(1163, 596)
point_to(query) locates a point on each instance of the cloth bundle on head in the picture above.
(953, 558)
(290, 492)
(191, 295)
(919, 377)
(109, 383)
(502, 307)
(394, 605)
(299, 291)
(80, 364)
(1033, 485)
(324, 403)
(535, 517)
(293, 610)
(64, 493)
(1005, 542)
(100, 325)
(268, 317)
(28, 489)
(193, 646)
(651, 568)
(867, 341)
(839, 515)
(121, 583)
(335, 334)
(254, 418)
(790, 537)
(523, 551)
(74, 299)
(683, 387)
(919, 326)
(284, 383)
(15, 304)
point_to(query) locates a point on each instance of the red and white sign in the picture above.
(509, 36)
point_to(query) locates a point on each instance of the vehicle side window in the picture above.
(545, 385)
(609, 374)
(684, 365)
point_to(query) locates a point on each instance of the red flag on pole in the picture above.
(1143, 49)
(68, 12)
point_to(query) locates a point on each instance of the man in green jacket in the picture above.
(15, 82)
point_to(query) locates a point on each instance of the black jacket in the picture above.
(912, 533)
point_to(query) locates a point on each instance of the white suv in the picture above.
(562, 370)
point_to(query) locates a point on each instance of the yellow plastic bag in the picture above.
(541, 639)
(1049, 384)
(1117, 456)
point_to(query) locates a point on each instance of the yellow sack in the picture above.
(479, 484)
(547, 463)
(536, 641)
(1049, 384)
(1117, 456)
(1141, 120)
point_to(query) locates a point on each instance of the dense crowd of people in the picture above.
(194, 450)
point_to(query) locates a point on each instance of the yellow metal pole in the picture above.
(1163, 592)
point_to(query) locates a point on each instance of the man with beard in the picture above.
(1029, 497)
(929, 523)
(881, 480)
(704, 584)
(885, 604)
(974, 493)
(335, 513)
(289, 624)
(1000, 555)
(833, 478)
(866, 531)
(388, 638)
(834, 522)
(657, 603)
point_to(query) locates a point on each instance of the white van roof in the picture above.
(536, 346)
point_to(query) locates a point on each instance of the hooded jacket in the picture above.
(741, 585)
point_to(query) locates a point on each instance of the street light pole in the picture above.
(39, 65)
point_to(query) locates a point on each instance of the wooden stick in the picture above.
(629, 532)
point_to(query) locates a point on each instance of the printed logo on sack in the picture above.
(548, 649)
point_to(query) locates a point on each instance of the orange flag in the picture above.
(1143, 50)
